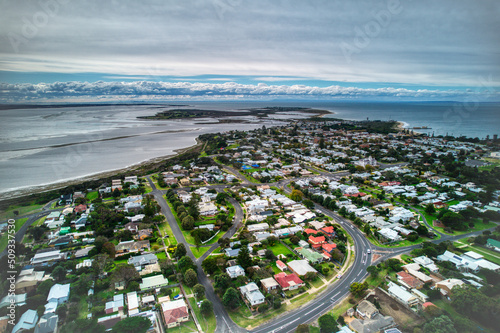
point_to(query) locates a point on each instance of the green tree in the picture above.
(136, 324)
(308, 203)
(231, 298)
(222, 281)
(209, 265)
(296, 195)
(358, 288)
(190, 277)
(185, 263)
(59, 273)
(430, 209)
(373, 270)
(206, 307)
(327, 324)
(441, 324)
(302, 328)
(180, 251)
(44, 287)
(83, 326)
(243, 258)
(188, 223)
(199, 291)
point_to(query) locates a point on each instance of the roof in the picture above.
(473, 255)
(280, 264)
(287, 280)
(59, 291)
(142, 259)
(269, 283)
(27, 321)
(153, 282)
(308, 254)
(400, 292)
(310, 231)
(366, 307)
(301, 267)
(174, 310)
(132, 300)
(371, 325)
(327, 230)
(320, 239)
(493, 242)
(47, 323)
(329, 247)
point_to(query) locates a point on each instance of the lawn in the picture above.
(487, 254)
(241, 316)
(279, 248)
(198, 252)
(341, 308)
(92, 195)
(22, 210)
(374, 282)
(166, 230)
(318, 283)
(4, 239)
(208, 323)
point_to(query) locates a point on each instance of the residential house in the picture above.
(17, 300)
(252, 294)
(47, 324)
(289, 281)
(139, 262)
(132, 303)
(424, 261)
(235, 271)
(493, 244)
(446, 286)
(309, 255)
(26, 322)
(109, 321)
(47, 257)
(366, 310)
(153, 282)
(174, 312)
(28, 280)
(328, 231)
(282, 266)
(144, 233)
(300, 267)
(409, 281)
(402, 295)
(269, 284)
(59, 293)
(115, 305)
(316, 241)
(378, 323)
(132, 246)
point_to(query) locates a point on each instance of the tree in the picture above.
(470, 301)
(188, 223)
(124, 273)
(222, 281)
(302, 328)
(357, 288)
(83, 326)
(231, 298)
(327, 324)
(180, 251)
(209, 265)
(373, 270)
(422, 230)
(221, 197)
(185, 263)
(190, 277)
(243, 258)
(442, 324)
(430, 209)
(310, 276)
(308, 203)
(294, 240)
(44, 287)
(199, 291)
(296, 195)
(109, 248)
(206, 307)
(59, 273)
(136, 324)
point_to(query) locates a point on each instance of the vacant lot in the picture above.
(406, 319)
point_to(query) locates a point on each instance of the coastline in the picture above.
(17, 193)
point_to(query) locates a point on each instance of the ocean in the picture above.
(42, 146)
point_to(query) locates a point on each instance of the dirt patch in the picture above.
(406, 319)
(438, 223)
(375, 257)
(435, 278)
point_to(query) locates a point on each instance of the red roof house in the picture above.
(329, 231)
(328, 247)
(174, 312)
(80, 208)
(316, 241)
(310, 231)
(281, 265)
(289, 281)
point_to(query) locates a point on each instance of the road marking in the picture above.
(311, 311)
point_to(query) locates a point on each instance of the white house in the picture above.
(252, 294)
(59, 293)
(235, 271)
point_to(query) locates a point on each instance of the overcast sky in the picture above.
(328, 48)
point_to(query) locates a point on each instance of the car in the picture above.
(368, 251)
(339, 275)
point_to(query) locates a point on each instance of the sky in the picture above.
(68, 50)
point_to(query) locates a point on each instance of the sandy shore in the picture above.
(54, 186)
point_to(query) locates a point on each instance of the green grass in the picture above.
(487, 254)
(241, 315)
(23, 210)
(318, 283)
(279, 248)
(374, 282)
(167, 230)
(300, 298)
(314, 329)
(92, 195)
(207, 323)
(198, 252)
(83, 308)
(161, 255)
(4, 239)
(341, 308)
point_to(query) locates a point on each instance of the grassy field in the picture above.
(279, 248)
(166, 230)
(23, 210)
(486, 253)
(92, 195)
(207, 323)
(198, 252)
(5, 237)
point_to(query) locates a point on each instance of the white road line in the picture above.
(312, 310)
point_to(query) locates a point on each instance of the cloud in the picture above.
(148, 90)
